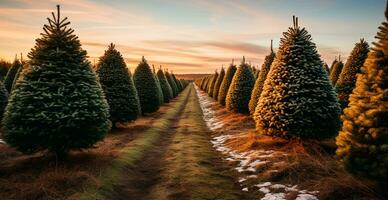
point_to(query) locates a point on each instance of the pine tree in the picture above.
(240, 89)
(59, 104)
(226, 83)
(336, 71)
(218, 84)
(160, 92)
(258, 88)
(10, 77)
(147, 88)
(118, 87)
(298, 99)
(213, 83)
(327, 68)
(3, 99)
(166, 88)
(347, 78)
(332, 65)
(177, 83)
(172, 83)
(209, 85)
(363, 141)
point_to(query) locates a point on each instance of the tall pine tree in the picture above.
(118, 86)
(160, 92)
(11, 74)
(363, 141)
(226, 83)
(336, 71)
(3, 99)
(347, 78)
(59, 104)
(166, 88)
(213, 83)
(240, 89)
(258, 88)
(147, 88)
(172, 83)
(298, 99)
(218, 83)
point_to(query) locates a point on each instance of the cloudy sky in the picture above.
(192, 36)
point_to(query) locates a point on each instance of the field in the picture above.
(194, 100)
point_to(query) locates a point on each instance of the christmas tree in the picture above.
(297, 99)
(258, 88)
(59, 104)
(11, 74)
(213, 83)
(240, 89)
(225, 84)
(160, 92)
(347, 78)
(363, 141)
(166, 88)
(118, 86)
(336, 71)
(172, 83)
(147, 88)
(3, 99)
(177, 83)
(218, 84)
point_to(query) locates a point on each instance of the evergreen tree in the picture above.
(363, 141)
(213, 83)
(3, 99)
(147, 88)
(226, 83)
(166, 88)
(240, 89)
(218, 84)
(172, 83)
(336, 71)
(10, 77)
(177, 83)
(332, 65)
(59, 104)
(327, 68)
(118, 87)
(160, 92)
(297, 99)
(347, 78)
(207, 80)
(258, 88)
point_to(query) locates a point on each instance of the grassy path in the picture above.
(182, 164)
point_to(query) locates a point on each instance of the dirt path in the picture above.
(182, 164)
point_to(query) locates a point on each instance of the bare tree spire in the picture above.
(58, 14)
(271, 46)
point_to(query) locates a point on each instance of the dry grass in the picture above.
(41, 176)
(309, 164)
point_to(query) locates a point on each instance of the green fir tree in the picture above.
(224, 88)
(363, 141)
(118, 86)
(218, 83)
(59, 104)
(297, 99)
(240, 89)
(166, 88)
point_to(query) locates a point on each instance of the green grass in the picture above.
(193, 169)
(132, 153)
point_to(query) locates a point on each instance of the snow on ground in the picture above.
(2, 141)
(249, 162)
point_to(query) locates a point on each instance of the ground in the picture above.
(192, 148)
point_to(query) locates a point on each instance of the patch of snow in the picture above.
(252, 176)
(264, 190)
(278, 186)
(245, 189)
(266, 184)
(274, 196)
(2, 141)
(306, 197)
(240, 180)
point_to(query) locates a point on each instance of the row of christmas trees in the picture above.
(293, 97)
(58, 103)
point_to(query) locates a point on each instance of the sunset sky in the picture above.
(192, 36)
